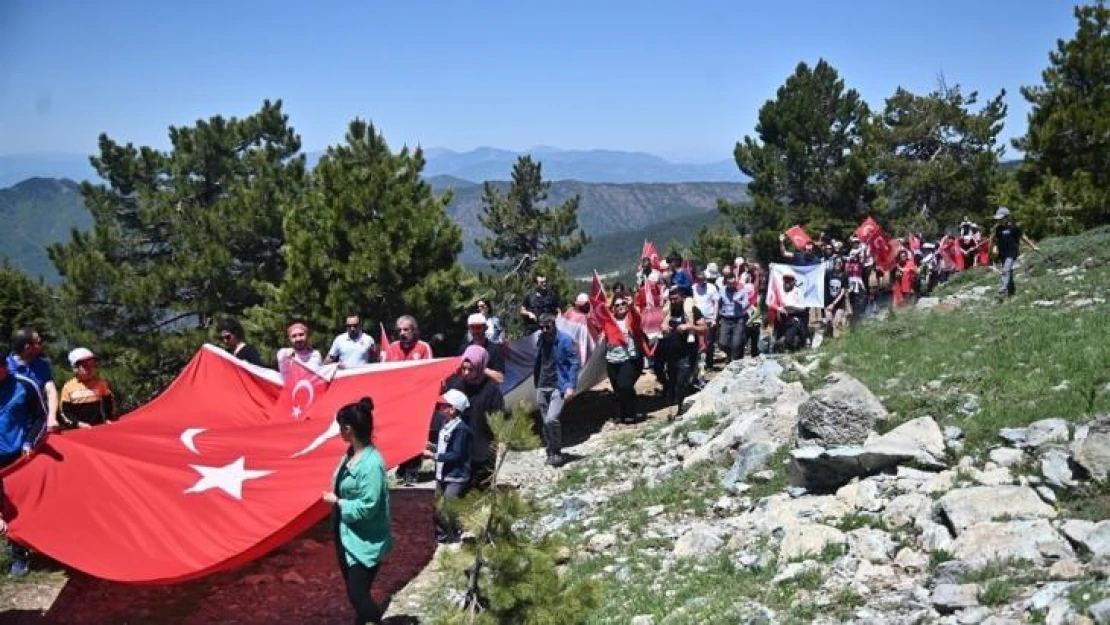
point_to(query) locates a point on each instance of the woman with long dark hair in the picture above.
(361, 508)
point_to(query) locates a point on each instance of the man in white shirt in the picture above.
(707, 298)
(354, 347)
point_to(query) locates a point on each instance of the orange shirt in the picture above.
(89, 402)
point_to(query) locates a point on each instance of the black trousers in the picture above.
(751, 335)
(681, 361)
(622, 377)
(359, 579)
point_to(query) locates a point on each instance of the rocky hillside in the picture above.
(36, 213)
(891, 478)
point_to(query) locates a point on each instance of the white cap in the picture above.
(582, 299)
(653, 276)
(79, 354)
(1001, 213)
(476, 319)
(456, 399)
(739, 261)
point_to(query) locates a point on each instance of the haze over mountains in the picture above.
(476, 165)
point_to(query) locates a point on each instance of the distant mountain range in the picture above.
(475, 166)
(40, 211)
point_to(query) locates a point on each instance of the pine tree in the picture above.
(938, 159)
(526, 236)
(178, 237)
(1067, 145)
(505, 575)
(369, 236)
(26, 302)
(810, 163)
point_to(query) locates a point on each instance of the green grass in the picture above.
(856, 520)
(1083, 596)
(997, 592)
(939, 557)
(1009, 355)
(777, 463)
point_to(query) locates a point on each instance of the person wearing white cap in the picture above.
(1006, 246)
(477, 334)
(451, 453)
(86, 400)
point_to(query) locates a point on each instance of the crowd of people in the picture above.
(676, 322)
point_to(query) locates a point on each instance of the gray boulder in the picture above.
(841, 413)
(921, 437)
(1056, 469)
(1091, 536)
(1093, 451)
(948, 598)
(1035, 541)
(965, 507)
(1100, 612)
(697, 542)
(751, 457)
(823, 470)
(1047, 431)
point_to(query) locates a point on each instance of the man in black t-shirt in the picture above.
(836, 296)
(1006, 245)
(540, 301)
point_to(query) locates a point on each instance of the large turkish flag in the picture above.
(209, 475)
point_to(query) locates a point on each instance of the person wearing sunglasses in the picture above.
(354, 347)
(233, 337)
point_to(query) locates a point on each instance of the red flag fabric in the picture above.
(202, 479)
(883, 249)
(301, 387)
(914, 242)
(651, 253)
(867, 230)
(600, 315)
(798, 236)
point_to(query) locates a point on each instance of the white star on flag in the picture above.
(227, 478)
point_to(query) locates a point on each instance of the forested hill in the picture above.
(605, 208)
(41, 211)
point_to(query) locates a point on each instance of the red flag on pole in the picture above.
(383, 343)
(798, 236)
(600, 315)
(652, 254)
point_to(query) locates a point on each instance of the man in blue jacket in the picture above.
(22, 423)
(555, 374)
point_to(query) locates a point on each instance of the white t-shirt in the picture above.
(309, 357)
(351, 352)
(706, 298)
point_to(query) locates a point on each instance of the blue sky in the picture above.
(684, 80)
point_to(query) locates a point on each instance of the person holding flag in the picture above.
(624, 358)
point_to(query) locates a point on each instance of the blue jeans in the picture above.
(1006, 283)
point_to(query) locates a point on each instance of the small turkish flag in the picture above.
(300, 388)
(798, 236)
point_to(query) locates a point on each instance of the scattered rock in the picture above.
(911, 561)
(905, 509)
(921, 438)
(1100, 612)
(1046, 595)
(953, 433)
(808, 539)
(600, 543)
(824, 470)
(697, 542)
(925, 303)
(1047, 431)
(842, 413)
(1066, 568)
(1006, 456)
(875, 576)
(1092, 537)
(861, 496)
(1035, 541)
(951, 572)
(1046, 494)
(965, 507)
(970, 405)
(1093, 452)
(697, 438)
(871, 544)
(794, 570)
(751, 457)
(1056, 469)
(973, 616)
(642, 619)
(654, 511)
(1044, 303)
(948, 598)
(662, 472)
(762, 477)
(993, 476)
(934, 536)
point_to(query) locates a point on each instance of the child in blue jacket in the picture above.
(451, 454)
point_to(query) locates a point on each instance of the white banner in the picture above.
(810, 284)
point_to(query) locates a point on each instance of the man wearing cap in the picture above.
(1006, 245)
(27, 360)
(792, 321)
(354, 347)
(22, 417)
(477, 334)
(86, 399)
(679, 347)
(451, 453)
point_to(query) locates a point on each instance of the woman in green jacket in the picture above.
(361, 509)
